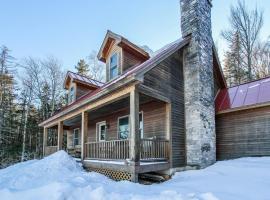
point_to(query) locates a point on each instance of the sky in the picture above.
(71, 29)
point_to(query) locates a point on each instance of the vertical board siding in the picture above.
(243, 133)
(167, 78)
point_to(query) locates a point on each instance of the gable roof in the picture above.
(71, 76)
(132, 74)
(244, 96)
(121, 41)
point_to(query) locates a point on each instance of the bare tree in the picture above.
(54, 78)
(96, 68)
(27, 100)
(261, 59)
(248, 24)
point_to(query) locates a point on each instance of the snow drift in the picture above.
(58, 177)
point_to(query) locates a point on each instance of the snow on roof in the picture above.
(248, 94)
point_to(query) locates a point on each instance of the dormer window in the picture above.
(71, 95)
(113, 66)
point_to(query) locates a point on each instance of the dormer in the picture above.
(119, 54)
(78, 85)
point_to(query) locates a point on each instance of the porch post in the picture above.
(134, 134)
(45, 136)
(84, 133)
(169, 131)
(60, 132)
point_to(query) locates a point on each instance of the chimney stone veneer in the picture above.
(199, 83)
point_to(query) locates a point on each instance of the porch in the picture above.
(129, 135)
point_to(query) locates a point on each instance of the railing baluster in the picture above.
(151, 149)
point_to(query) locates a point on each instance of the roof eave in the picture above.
(112, 88)
(247, 107)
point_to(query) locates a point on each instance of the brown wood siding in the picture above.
(81, 91)
(167, 78)
(130, 60)
(154, 119)
(243, 133)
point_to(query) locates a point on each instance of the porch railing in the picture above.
(154, 149)
(111, 150)
(151, 149)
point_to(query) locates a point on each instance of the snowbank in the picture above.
(59, 177)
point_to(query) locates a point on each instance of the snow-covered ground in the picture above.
(60, 177)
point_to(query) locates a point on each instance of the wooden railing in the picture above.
(50, 150)
(111, 150)
(154, 149)
(151, 150)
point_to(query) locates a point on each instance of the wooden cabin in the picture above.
(165, 113)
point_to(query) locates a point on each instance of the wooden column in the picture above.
(84, 133)
(169, 130)
(60, 135)
(134, 134)
(45, 137)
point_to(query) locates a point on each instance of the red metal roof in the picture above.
(83, 79)
(256, 92)
(172, 47)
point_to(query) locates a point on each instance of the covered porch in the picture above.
(129, 133)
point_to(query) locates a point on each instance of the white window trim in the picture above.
(118, 135)
(76, 138)
(117, 60)
(98, 132)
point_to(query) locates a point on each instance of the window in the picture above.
(71, 95)
(123, 126)
(113, 66)
(76, 137)
(101, 128)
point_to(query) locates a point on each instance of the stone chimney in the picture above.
(199, 83)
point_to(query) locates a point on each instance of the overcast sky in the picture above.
(71, 29)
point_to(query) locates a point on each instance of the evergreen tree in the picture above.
(234, 71)
(82, 68)
(8, 120)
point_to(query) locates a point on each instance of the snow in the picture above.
(59, 176)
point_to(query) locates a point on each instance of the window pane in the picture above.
(124, 128)
(102, 132)
(113, 66)
(113, 60)
(114, 72)
(71, 94)
(76, 137)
